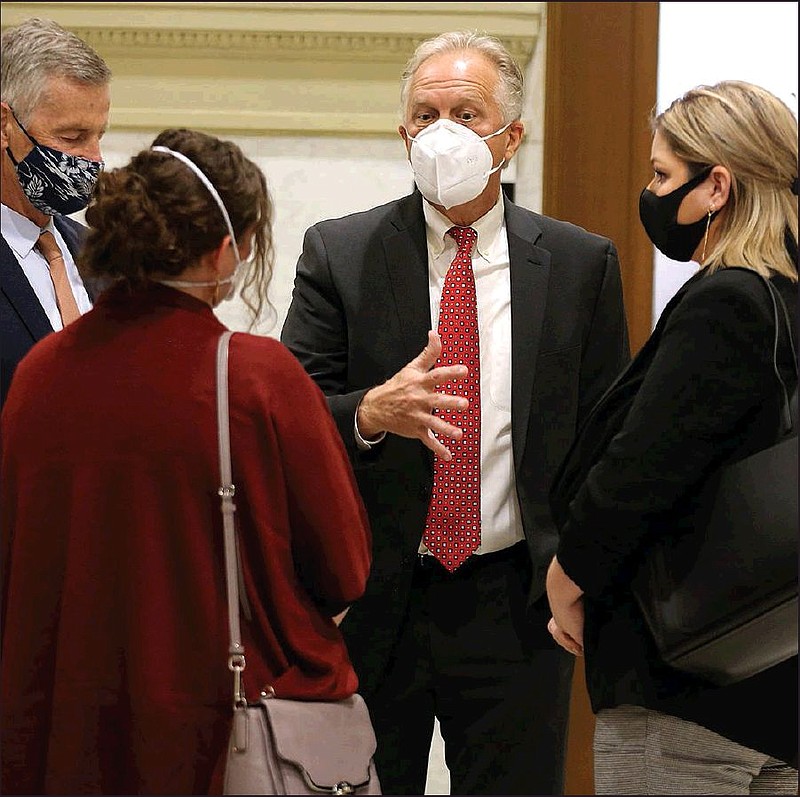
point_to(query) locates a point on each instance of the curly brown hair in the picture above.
(154, 216)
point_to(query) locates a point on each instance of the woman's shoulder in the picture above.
(732, 302)
(731, 286)
(263, 349)
(732, 278)
(741, 279)
(742, 286)
(266, 363)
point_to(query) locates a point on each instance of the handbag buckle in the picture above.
(236, 665)
(342, 787)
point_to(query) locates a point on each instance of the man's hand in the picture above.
(405, 404)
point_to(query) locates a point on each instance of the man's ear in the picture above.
(516, 132)
(406, 140)
(5, 120)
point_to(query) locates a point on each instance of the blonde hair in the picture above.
(509, 91)
(753, 134)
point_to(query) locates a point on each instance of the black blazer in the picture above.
(23, 321)
(360, 312)
(700, 393)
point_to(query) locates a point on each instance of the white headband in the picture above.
(208, 184)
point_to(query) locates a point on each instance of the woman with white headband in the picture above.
(115, 635)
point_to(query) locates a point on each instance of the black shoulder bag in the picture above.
(722, 605)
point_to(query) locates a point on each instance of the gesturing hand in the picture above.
(405, 404)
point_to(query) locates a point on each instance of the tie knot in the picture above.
(48, 246)
(465, 237)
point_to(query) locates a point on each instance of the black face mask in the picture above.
(659, 216)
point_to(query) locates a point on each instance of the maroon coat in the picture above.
(114, 634)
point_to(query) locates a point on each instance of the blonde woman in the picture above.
(702, 392)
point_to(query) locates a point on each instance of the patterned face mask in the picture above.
(53, 181)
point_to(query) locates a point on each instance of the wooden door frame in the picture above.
(600, 87)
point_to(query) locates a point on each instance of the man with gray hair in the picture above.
(54, 106)
(461, 340)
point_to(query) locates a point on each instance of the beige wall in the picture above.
(309, 90)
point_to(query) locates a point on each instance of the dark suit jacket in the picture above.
(360, 312)
(23, 321)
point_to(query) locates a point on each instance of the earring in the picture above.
(705, 237)
(215, 300)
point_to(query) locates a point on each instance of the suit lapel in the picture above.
(406, 253)
(530, 272)
(21, 295)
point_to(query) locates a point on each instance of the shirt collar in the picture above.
(20, 232)
(488, 227)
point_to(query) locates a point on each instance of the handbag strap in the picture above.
(226, 492)
(774, 295)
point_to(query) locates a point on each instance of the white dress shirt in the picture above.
(21, 234)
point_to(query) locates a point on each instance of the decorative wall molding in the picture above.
(260, 44)
(274, 67)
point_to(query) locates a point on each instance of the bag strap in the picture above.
(226, 492)
(774, 295)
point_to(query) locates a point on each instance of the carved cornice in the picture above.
(387, 47)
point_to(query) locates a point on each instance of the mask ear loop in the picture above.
(215, 300)
(705, 237)
(497, 132)
(27, 134)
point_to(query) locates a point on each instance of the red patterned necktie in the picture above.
(453, 527)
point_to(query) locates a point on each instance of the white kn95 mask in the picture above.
(451, 163)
